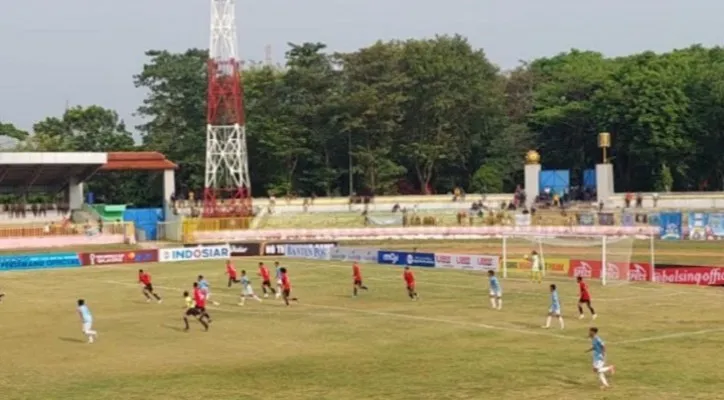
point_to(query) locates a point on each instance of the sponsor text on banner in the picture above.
(591, 269)
(279, 248)
(470, 262)
(195, 253)
(39, 261)
(689, 275)
(354, 254)
(406, 258)
(238, 249)
(309, 251)
(119, 257)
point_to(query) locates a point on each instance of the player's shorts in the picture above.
(555, 310)
(287, 292)
(87, 326)
(248, 291)
(279, 282)
(411, 287)
(598, 364)
(266, 283)
(192, 312)
(496, 293)
(200, 309)
(584, 300)
(148, 287)
(358, 282)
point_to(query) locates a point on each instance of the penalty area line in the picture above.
(396, 315)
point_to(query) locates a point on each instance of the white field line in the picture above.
(396, 315)
(669, 336)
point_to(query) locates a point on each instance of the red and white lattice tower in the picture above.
(227, 190)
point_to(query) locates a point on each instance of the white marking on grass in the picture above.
(395, 315)
(669, 336)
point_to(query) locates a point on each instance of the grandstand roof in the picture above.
(52, 172)
(142, 160)
(25, 172)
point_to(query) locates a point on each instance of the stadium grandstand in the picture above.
(62, 218)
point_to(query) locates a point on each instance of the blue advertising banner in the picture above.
(39, 261)
(406, 258)
(628, 219)
(670, 224)
(706, 226)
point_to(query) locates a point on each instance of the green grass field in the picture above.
(665, 340)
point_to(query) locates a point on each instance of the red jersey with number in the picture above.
(286, 285)
(264, 272)
(231, 271)
(409, 278)
(356, 272)
(199, 298)
(144, 278)
(585, 295)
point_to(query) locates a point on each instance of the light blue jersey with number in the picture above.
(245, 281)
(598, 348)
(555, 302)
(494, 284)
(85, 314)
(203, 285)
(278, 273)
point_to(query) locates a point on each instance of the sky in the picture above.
(83, 52)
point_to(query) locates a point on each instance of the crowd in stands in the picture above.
(24, 210)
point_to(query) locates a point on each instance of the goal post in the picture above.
(610, 259)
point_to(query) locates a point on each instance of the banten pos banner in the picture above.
(308, 251)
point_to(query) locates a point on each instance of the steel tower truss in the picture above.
(227, 191)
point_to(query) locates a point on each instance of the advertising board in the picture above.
(471, 262)
(217, 252)
(39, 261)
(354, 254)
(119, 257)
(406, 258)
(280, 248)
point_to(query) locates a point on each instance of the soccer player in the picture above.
(555, 308)
(266, 281)
(231, 272)
(496, 292)
(584, 298)
(599, 357)
(206, 289)
(192, 311)
(278, 276)
(357, 276)
(145, 279)
(535, 267)
(409, 278)
(200, 301)
(286, 286)
(248, 290)
(87, 320)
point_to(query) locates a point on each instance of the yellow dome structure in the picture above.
(532, 157)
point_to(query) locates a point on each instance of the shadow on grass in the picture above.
(173, 327)
(71, 340)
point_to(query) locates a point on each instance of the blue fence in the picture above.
(145, 219)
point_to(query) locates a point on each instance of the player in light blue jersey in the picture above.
(496, 291)
(246, 289)
(86, 319)
(205, 289)
(599, 357)
(278, 277)
(555, 308)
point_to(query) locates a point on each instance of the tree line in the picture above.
(420, 116)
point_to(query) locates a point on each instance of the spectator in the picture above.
(628, 199)
(655, 198)
(639, 200)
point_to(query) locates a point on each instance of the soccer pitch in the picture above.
(665, 341)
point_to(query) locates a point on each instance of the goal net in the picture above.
(612, 260)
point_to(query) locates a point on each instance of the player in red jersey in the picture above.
(266, 285)
(145, 279)
(410, 282)
(200, 301)
(584, 298)
(231, 272)
(357, 276)
(286, 287)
